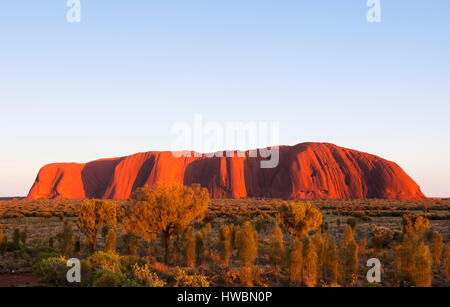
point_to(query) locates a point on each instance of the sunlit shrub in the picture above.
(103, 260)
(195, 280)
(145, 277)
(108, 278)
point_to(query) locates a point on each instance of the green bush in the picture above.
(127, 262)
(183, 279)
(108, 278)
(52, 270)
(144, 277)
(103, 260)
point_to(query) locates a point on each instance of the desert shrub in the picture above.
(423, 273)
(104, 260)
(3, 242)
(230, 277)
(160, 268)
(329, 261)
(44, 253)
(65, 238)
(108, 278)
(446, 262)
(130, 243)
(111, 241)
(413, 258)
(299, 218)
(414, 226)
(225, 243)
(247, 250)
(183, 279)
(277, 250)
(23, 236)
(381, 237)
(363, 246)
(296, 262)
(127, 262)
(16, 237)
(203, 243)
(436, 247)
(310, 264)
(349, 255)
(52, 270)
(145, 277)
(413, 263)
(263, 222)
(200, 248)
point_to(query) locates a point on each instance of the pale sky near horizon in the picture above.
(115, 83)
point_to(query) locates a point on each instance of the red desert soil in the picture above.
(19, 279)
(305, 171)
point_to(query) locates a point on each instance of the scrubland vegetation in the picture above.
(176, 236)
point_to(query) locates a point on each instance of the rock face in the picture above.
(305, 171)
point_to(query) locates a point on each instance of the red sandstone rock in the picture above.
(305, 171)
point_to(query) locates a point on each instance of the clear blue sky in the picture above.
(115, 83)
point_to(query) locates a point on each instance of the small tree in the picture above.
(111, 241)
(362, 247)
(165, 208)
(350, 254)
(23, 236)
(317, 240)
(3, 242)
(352, 222)
(296, 263)
(130, 239)
(422, 272)
(225, 238)
(446, 260)
(65, 238)
(309, 262)
(202, 238)
(189, 247)
(414, 226)
(16, 237)
(437, 244)
(130, 243)
(413, 257)
(277, 250)
(247, 248)
(299, 218)
(93, 215)
(329, 260)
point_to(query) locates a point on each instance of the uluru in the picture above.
(304, 171)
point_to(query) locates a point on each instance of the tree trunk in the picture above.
(167, 247)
